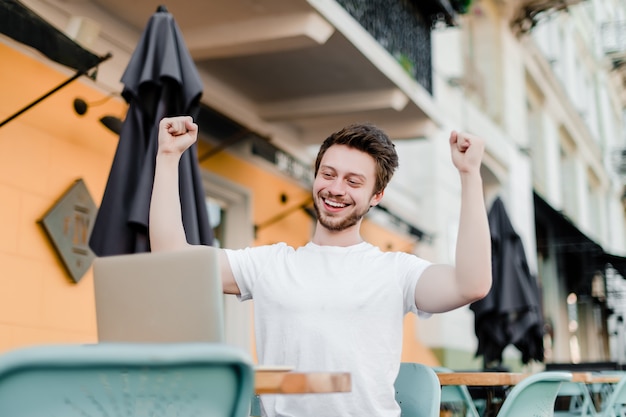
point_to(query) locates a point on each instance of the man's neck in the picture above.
(348, 237)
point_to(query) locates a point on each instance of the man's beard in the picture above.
(339, 224)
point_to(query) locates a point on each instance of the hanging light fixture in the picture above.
(113, 123)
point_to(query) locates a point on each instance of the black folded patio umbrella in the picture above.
(511, 313)
(160, 80)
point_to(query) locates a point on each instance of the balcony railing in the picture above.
(401, 28)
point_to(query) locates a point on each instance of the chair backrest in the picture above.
(125, 380)
(457, 394)
(601, 391)
(418, 391)
(534, 396)
(616, 401)
(255, 407)
(580, 401)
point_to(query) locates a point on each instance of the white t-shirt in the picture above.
(330, 308)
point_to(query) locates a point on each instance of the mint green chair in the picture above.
(580, 401)
(126, 380)
(534, 396)
(615, 403)
(457, 395)
(418, 391)
(255, 408)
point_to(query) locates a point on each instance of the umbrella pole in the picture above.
(54, 90)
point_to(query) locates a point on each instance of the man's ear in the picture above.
(376, 198)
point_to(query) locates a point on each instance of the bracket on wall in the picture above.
(25, 26)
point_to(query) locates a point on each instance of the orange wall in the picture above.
(42, 152)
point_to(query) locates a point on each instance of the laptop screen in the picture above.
(159, 297)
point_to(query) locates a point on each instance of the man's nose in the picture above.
(337, 187)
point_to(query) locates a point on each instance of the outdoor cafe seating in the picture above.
(457, 397)
(526, 394)
(145, 379)
(584, 394)
(417, 388)
(125, 380)
(596, 391)
(600, 394)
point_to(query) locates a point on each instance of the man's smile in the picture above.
(334, 204)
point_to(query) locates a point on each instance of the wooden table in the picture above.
(594, 378)
(488, 379)
(481, 379)
(493, 384)
(273, 381)
(267, 381)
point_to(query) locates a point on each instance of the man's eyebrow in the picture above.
(327, 167)
(356, 174)
(362, 177)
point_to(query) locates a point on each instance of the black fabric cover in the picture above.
(161, 80)
(511, 312)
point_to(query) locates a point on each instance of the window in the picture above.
(230, 214)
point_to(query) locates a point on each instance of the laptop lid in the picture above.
(159, 297)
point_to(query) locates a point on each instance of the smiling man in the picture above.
(337, 303)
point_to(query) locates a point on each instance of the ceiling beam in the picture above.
(316, 132)
(392, 98)
(259, 35)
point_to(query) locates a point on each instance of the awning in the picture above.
(22, 24)
(581, 255)
(25, 26)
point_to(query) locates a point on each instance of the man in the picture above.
(337, 304)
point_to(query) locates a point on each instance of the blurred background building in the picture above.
(543, 81)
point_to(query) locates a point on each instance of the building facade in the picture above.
(545, 84)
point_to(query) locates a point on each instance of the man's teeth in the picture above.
(335, 204)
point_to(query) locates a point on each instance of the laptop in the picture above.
(160, 297)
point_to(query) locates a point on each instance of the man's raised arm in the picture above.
(442, 287)
(165, 224)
